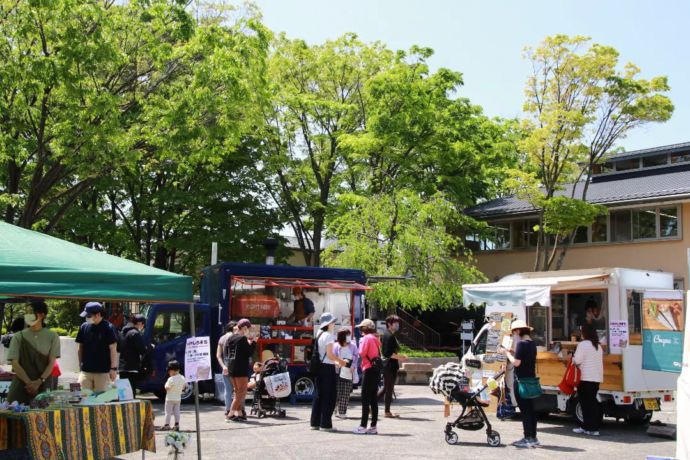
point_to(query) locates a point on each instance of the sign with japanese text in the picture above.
(197, 359)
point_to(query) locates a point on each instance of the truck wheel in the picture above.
(639, 417)
(188, 394)
(304, 386)
(577, 411)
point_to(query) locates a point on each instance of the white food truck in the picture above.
(555, 304)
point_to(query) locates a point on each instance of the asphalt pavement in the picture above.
(418, 433)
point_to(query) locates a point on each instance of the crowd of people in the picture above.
(103, 352)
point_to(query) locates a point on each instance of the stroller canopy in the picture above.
(446, 378)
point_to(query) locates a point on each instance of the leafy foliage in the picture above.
(403, 234)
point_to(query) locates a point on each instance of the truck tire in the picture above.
(639, 417)
(577, 410)
(304, 386)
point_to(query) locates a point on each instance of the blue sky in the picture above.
(484, 41)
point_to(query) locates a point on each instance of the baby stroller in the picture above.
(454, 385)
(272, 384)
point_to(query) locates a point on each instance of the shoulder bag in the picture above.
(528, 387)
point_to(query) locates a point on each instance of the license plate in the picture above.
(651, 403)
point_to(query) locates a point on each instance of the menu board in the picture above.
(500, 328)
(197, 359)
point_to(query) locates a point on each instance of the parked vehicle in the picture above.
(265, 295)
(555, 304)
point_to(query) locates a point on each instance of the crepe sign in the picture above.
(662, 331)
(197, 359)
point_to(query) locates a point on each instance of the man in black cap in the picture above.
(97, 349)
(132, 350)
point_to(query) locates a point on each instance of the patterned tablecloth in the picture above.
(80, 432)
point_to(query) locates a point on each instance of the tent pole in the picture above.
(196, 388)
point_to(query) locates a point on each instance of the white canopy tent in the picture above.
(515, 292)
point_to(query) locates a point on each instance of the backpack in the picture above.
(229, 355)
(315, 361)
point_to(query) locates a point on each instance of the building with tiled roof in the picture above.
(647, 193)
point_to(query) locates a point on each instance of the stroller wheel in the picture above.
(281, 413)
(451, 437)
(493, 439)
(261, 414)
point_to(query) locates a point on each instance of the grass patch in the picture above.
(413, 353)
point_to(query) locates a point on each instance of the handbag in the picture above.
(571, 379)
(529, 387)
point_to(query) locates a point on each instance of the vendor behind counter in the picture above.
(303, 308)
(32, 352)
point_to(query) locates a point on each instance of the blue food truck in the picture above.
(265, 294)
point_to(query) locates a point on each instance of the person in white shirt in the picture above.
(173, 398)
(589, 358)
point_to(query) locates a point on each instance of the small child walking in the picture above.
(173, 387)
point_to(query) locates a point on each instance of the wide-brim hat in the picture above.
(326, 319)
(520, 324)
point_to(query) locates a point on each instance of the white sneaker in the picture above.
(534, 442)
(592, 433)
(372, 430)
(341, 416)
(360, 430)
(579, 430)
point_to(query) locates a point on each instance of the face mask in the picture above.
(395, 327)
(347, 339)
(89, 320)
(590, 316)
(30, 320)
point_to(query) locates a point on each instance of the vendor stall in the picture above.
(80, 432)
(34, 265)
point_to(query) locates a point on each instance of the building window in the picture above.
(680, 157)
(620, 226)
(498, 237)
(600, 230)
(627, 165)
(581, 235)
(668, 222)
(644, 223)
(656, 160)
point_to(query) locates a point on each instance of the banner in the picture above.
(197, 359)
(662, 331)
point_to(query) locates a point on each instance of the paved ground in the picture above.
(417, 434)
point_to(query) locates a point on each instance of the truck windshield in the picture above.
(170, 325)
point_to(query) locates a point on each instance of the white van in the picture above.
(555, 304)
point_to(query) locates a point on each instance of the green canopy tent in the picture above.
(33, 264)
(36, 265)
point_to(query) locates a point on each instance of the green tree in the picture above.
(579, 103)
(401, 233)
(73, 73)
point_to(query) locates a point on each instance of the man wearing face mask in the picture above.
(303, 308)
(32, 353)
(389, 349)
(97, 349)
(132, 350)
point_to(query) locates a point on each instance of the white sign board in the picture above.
(197, 359)
(618, 331)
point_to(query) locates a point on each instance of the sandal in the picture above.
(391, 415)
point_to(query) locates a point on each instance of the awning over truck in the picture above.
(521, 291)
(300, 283)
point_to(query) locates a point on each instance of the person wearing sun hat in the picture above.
(323, 403)
(524, 362)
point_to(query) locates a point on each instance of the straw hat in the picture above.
(520, 324)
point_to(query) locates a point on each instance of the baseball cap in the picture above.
(367, 323)
(92, 308)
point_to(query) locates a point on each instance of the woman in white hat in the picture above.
(369, 352)
(524, 361)
(323, 403)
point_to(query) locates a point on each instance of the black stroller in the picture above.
(472, 417)
(272, 384)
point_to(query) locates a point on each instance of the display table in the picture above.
(80, 432)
